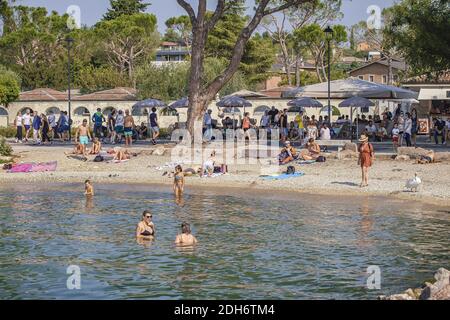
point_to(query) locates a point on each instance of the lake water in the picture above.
(250, 247)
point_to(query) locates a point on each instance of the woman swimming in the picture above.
(178, 181)
(146, 227)
(185, 238)
(88, 188)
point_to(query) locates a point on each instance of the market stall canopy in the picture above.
(356, 102)
(434, 94)
(149, 103)
(247, 94)
(305, 102)
(179, 104)
(350, 87)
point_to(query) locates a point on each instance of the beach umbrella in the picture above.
(261, 109)
(179, 104)
(305, 102)
(335, 111)
(296, 109)
(233, 101)
(231, 110)
(248, 94)
(149, 103)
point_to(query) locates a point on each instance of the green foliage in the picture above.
(8, 132)
(179, 29)
(91, 79)
(419, 30)
(5, 148)
(9, 86)
(124, 8)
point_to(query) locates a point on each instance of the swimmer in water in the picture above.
(88, 188)
(185, 238)
(146, 228)
(178, 181)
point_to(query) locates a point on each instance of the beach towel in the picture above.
(121, 161)
(306, 161)
(34, 167)
(283, 176)
(214, 175)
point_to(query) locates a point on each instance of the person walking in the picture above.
(45, 129)
(98, 118)
(407, 129)
(414, 127)
(26, 119)
(365, 160)
(18, 124)
(37, 122)
(154, 126)
(53, 125)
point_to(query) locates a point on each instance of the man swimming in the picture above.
(84, 135)
(185, 238)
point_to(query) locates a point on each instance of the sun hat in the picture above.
(287, 143)
(363, 138)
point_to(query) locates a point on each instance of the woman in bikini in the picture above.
(185, 238)
(146, 228)
(178, 181)
(366, 157)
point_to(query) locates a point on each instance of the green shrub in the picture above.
(8, 132)
(5, 148)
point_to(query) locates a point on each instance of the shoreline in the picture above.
(216, 186)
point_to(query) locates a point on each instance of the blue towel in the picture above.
(283, 176)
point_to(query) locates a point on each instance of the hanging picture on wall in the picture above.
(424, 126)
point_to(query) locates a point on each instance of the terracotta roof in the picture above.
(169, 44)
(432, 78)
(276, 92)
(43, 94)
(116, 94)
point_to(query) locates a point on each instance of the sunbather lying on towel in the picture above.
(312, 151)
(77, 150)
(287, 154)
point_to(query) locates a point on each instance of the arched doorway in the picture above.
(108, 110)
(55, 110)
(79, 114)
(3, 117)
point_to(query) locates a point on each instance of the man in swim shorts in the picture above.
(128, 130)
(84, 134)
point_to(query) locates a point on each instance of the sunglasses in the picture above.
(149, 217)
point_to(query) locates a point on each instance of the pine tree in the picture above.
(124, 7)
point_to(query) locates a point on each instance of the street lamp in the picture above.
(69, 41)
(329, 36)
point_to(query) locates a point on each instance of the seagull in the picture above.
(414, 183)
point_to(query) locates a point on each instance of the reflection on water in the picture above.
(251, 248)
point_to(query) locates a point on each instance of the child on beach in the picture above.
(395, 135)
(178, 181)
(96, 146)
(88, 188)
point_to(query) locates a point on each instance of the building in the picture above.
(277, 73)
(378, 71)
(171, 52)
(434, 93)
(363, 46)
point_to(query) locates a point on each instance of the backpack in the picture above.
(321, 159)
(99, 158)
(290, 170)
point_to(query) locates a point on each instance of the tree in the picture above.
(200, 95)
(90, 79)
(180, 27)
(9, 86)
(318, 12)
(124, 8)
(127, 40)
(33, 44)
(419, 30)
(314, 38)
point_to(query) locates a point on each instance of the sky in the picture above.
(93, 10)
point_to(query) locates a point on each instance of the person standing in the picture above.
(207, 124)
(265, 120)
(84, 136)
(300, 126)
(439, 130)
(128, 128)
(18, 124)
(407, 129)
(119, 125)
(401, 127)
(273, 113)
(45, 129)
(52, 122)
(27, 124)
(246, 124)
(111, 124)
(154, 126)
(414, 127)
(284, 125)
(365, 160)
(185, 238)
(325, 133)
(98, 118)
(37, 122)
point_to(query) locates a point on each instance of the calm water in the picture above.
(250, 248)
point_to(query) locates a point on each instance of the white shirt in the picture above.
(19, 121)
(26, 119)
(408, 126)
(52, 120)
(325, 134)
(371, 129)
(120, 120)
(265, 120)
(395, 132)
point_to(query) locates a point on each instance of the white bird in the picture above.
(414, 183)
